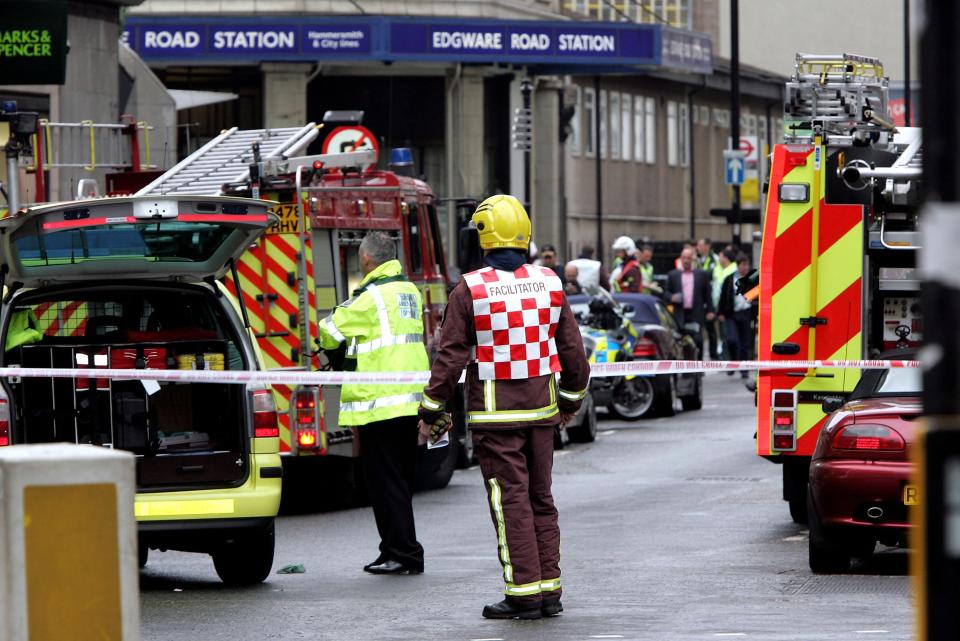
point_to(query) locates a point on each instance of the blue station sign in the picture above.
(215, 40)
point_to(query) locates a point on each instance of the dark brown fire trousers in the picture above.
(517, 465)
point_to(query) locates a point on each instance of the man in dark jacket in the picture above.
(510, 325)
(737, 314)
(688, 289)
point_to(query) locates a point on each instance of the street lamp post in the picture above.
(523, 136)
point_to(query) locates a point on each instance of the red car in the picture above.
(860, 475)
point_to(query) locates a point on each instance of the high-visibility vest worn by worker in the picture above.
(382, 325)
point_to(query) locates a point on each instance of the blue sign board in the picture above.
(734, 167)
(214, 40)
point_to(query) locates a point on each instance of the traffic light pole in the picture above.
(735, 109)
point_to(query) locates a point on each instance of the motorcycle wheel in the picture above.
(632, 398)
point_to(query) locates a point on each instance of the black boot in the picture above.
(511, 608)
(551, 606)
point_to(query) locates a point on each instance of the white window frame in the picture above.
(573, 141)
(626, 128)
(639, 140)
(615, 139)
(683, 134)
(673, 153)
(650, 116)
(604, 147)
(589, 115)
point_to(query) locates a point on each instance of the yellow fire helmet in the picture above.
(501, 221)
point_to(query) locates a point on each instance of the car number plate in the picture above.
(289, 220)
(910, 495)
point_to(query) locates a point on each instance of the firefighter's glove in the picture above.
(435, 431)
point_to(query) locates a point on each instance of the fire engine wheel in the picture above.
(825, 556)
(586, 432)
(695, 400)
(246, 560)
(632, 398)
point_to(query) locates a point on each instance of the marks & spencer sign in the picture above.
(33, 42)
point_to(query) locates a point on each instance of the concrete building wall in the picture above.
(150, 102)
(773, 31)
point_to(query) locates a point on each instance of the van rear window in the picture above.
(165, 241)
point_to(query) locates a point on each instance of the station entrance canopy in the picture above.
(214, 40)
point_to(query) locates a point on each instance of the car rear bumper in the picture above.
(861, 495)
(198, 536)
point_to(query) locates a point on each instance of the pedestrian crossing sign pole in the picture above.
(734, 165)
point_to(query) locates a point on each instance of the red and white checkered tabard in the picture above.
(515, 315)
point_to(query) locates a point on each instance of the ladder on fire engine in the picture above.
(227, 159)
(841, 94)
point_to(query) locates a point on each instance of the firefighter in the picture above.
(381, 327)
(510, 325)
(627, 277)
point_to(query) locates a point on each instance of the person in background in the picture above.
(590, 272)
(736, 314)
(687, 244)
(548, 258)
(645, 258)
(706, 259)
(572, 286)
(726, 265)
(688, 289)
(626, 277)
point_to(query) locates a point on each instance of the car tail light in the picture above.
(264, 414)
(306, 418)
(783, 420)
(868, 437)
(4, 419)
(645, 348)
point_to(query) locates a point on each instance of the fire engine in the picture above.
(308, 261)
(839, 251)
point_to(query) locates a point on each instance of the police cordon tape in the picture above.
(298, 377)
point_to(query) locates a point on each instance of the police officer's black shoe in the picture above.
(551, 606)
(392, 567)
(380, 559)
(511, 608)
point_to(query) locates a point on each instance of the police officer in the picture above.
(510, 325)
(381, 326)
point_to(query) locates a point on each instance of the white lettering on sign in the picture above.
(587, 42)
(529, 41)
(254, 40)
(467, 40)
(336, 39)
(171, 39)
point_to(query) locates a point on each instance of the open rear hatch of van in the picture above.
(113, 290)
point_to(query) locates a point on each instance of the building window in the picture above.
(705, 116)
(615, 125)
(603, 124)
(573, 140)
(638, 129)
(589, 114)
(676, 13)
(672, 141)
(626, 108)
(650, 116)
(721, 117)
(683, 134)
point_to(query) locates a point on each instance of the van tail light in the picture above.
(645, 348)
(783, 420)
(868, 437)
(306, 419)
(264, 414)
(4, 419)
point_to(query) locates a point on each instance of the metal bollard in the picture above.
(68, 544)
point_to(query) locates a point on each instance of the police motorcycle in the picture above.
(609, 336)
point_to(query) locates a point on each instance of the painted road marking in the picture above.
(606, 636)
(873, 631)
(563, 452)
(490, 639)
(608, 432)
(798, 537)
(729, 634)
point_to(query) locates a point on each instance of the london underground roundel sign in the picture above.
(350, 138)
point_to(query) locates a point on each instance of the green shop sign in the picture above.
(33, 42)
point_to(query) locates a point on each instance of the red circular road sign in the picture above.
(746, 146)
(350, 138)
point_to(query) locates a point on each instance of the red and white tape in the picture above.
(296, 377)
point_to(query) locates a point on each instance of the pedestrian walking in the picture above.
(510, 325)
(737, 314)
(689, 291)
(381, 329)
(626, 277)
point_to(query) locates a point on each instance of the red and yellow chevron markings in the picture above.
(811, 271)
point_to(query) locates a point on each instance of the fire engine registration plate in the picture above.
(910, 496)
(289, 220)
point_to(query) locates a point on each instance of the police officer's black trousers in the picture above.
(388, 452)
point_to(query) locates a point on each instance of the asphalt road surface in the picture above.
(672, 529)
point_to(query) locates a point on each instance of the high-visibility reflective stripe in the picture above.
(183, 508)
(431, 404)
(489, 400)
(497, 507)
(385, 330)
(572, 396)
(385, 341)
(331, 328)
(525, 589)
(512, 415)
(549, 585)
(383, 401)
